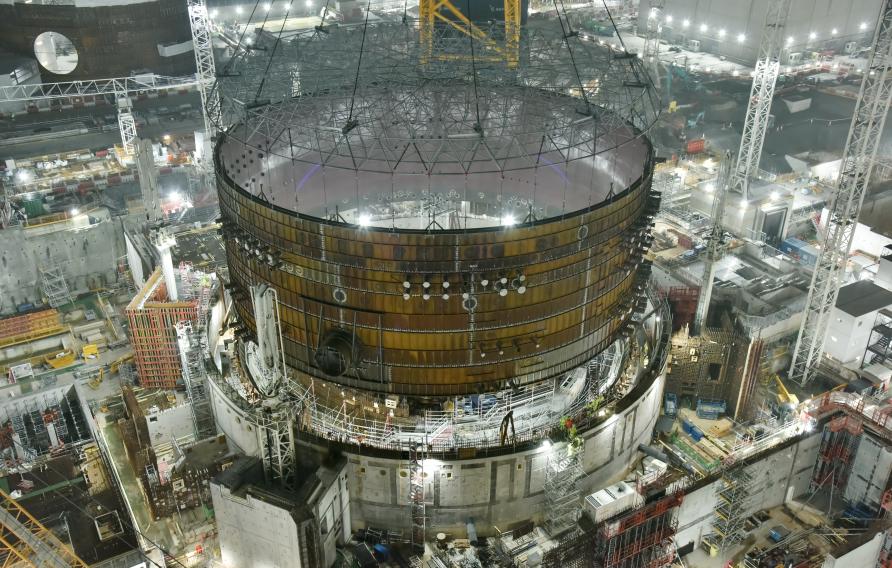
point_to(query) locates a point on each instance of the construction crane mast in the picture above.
(761, 95)
(858, 159)
(652, 38)
(715, 248)
(205, 67)
(119, 87)
(24, 541)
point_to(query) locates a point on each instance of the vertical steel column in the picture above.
(854, 176)
(761, 95)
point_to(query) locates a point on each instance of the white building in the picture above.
(265, 526)
(852, 319)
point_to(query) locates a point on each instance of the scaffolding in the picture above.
(48, 422)
(732, 502)
(148, 179)
(839, 443)
(643, 537)
(276, 421)
(29, 327)
(54, 285)
(652, 39)
(878, 349)
(192, 347)
(152, 318)
(562, 496)
(127, 125)
(416, 496)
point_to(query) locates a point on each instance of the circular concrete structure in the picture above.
(466, 305)
(456, 245)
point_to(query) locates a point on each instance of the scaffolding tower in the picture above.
(126, 124)
(148, 179)
(54, 285)
(191, 345)
(879, 346)
(839, 443)
(652, 39)
(276, 422)
(732, 502)
(6, 208)
(562, 496)
(643, 537)
(416, 496)
(715, 249)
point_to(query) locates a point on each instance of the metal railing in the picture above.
(535, 410)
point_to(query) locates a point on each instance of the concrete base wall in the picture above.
(780, 477)
(235, 423)
(253, 532)
(88, 253)
(870, 472)
(865, 555)
(496, 492)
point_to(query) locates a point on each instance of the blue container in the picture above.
(695, 433)
(381, 552)
(792, 246)
(710, 409)
(670, 404)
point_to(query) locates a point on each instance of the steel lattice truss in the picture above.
(761, 95)
(716, 245)
(204, 56)
(854, 176)
(377, 98)
(114, 86)
(191, 349)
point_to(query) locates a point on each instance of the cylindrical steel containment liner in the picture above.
(440, 312)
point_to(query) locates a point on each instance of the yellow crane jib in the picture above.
(24, 541)
(444, 11)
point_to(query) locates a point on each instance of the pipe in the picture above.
(472, 532)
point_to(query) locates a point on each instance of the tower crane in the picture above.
(119, 87)
(652, 38)
(445, 12)
(205, 68)
(206, 74)
(858, 158)
(24, 541)
(761, 95)
(715, 248)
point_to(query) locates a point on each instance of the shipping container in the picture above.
(696, 146)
